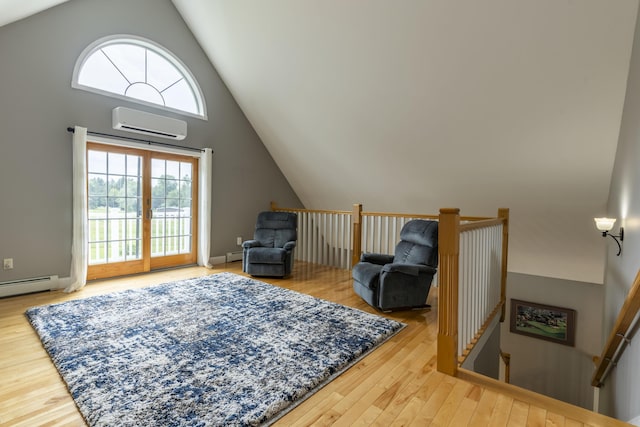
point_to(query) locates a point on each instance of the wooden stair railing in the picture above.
(619, 335)
(481, 254)
(324, 236)
(454, 345)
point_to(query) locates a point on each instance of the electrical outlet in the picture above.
(239, 240)
(7, 263)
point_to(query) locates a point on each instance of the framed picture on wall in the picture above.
(542, 321)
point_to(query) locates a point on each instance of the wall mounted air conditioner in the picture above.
(148, 124)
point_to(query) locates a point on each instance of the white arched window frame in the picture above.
(139, 70)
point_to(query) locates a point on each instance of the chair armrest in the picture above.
(289, 246)
(251, 244)
(410, 269)
(380, 259)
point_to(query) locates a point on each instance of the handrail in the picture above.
(400, 215)
(423, 216)
(275, 207)
(619, 336)
(481, 223)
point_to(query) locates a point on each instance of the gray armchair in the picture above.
(403, 280)
(270, 253)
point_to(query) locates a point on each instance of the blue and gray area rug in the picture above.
(217, 350)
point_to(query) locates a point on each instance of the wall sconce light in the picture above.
(605, 225)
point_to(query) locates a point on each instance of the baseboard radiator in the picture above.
(234, 256)
(27, 286)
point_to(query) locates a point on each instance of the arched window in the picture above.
(138, 70)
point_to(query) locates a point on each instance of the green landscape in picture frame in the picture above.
(546, 322)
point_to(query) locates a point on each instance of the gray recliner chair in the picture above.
(270, 253)
(403, 280)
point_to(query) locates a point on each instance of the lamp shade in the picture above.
(604, 224)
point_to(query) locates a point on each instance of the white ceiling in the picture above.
(413, 105)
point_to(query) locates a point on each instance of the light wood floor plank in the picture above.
(368, 417)
(353, 410)
(434, 403)
(554, 420)
(450, 407)
(501, 411)
(404, 394)
(537, 417)
(311, 413)
(465, 411)
(397, 384)
(409, 412)
(483, 411)
(519, 414)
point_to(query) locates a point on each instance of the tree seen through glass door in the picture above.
(115, 207)
(171, 201)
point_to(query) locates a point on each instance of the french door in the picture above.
(142, 210)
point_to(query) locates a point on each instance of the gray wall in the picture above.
(37, 103)
(553, 369)
(620, 396)
(484, 358)
(488, 361)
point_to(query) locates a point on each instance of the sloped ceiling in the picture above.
(410, 106)
(414, 105)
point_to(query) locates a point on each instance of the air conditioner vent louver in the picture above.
(148, 124)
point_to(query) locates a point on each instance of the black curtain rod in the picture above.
(145, 141)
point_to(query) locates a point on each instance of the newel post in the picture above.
(504, 213)
(448, 252)
(356, 226)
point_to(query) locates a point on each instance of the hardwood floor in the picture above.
(395, 385)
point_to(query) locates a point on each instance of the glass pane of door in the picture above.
(141, 210)
(171, 203)
(115, 207)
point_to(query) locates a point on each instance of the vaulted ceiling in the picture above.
(414, 105)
